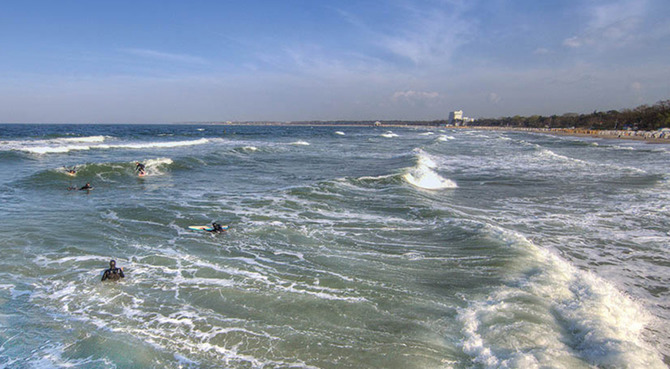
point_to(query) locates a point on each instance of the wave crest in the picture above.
(424, 176)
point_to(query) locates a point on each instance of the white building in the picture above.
(456, 118)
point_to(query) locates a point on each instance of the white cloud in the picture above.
(573, 42)
(613, 24)
(414, 98)
(494, 98)
(636, 87)
(170, 57)
(430, 35)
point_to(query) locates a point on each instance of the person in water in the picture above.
(139, 167)
(71, 171)
(113, 273)
(87, 186)
(217, 228)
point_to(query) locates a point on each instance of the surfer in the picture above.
(113, 273)
(71, 171)
(217, 228)
(139, 167)
(86, 187)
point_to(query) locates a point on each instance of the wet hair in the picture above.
(112, 262)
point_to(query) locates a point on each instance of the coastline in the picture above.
(652, 137)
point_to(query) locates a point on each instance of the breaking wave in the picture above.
(423, 175)
(64, 145)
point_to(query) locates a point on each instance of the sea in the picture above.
(347, 247)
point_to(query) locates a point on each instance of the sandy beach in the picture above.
(657, 137)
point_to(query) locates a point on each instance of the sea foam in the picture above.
(423, 175)
(553, 314)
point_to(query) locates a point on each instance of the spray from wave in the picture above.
(548, 311)
(64, 145)
(423, 175)
(156, 166)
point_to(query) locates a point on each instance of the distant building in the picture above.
(456, 115)
(456, 118)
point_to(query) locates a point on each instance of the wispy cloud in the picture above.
(163, 56)
(431, 34)
(417, 97)
(611, 24)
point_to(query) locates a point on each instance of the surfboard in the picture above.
(207, 228)
(141, 174)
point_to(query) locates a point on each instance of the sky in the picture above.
(166, 61)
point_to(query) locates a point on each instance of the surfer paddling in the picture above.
(113, 273)
(217, 228)
(86, 187)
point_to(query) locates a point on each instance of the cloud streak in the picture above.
(165, 57)
(430, 35)
(611, 25)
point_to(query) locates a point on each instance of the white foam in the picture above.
(424, 176)
(149, 145)
(339, 133)
(83, 139)
(553, 314)
(250, 148)
(389, 134)
(60, 146)
(300, 143)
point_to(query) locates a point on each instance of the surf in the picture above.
(425, 176)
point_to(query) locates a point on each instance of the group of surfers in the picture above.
(139, 168)
(114, 273)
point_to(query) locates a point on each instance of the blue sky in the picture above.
(176, 61)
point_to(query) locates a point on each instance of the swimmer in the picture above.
(113, 273)
(86, 187)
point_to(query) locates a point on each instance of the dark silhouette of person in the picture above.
(113, 273)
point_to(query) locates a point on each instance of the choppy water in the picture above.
(349, 247)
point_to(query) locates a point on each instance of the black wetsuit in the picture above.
(86, 187)
(140, 168)
(216, 228)
(113, 274)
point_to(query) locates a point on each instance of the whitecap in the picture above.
(424, 176)
(563, 316)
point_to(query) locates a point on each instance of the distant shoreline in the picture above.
(646, 136)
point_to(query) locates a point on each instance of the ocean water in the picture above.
(349, 247)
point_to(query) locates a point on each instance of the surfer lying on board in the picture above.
(113, 273)
(217, 228)
(71, 171)
(86, 187)
(139, 167)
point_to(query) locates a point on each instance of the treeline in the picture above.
(643, 117)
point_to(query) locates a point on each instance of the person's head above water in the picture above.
(112, 263)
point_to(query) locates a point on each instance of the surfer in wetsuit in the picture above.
(217, 228)
(86, 187)
(139, 167)
(113, 273)
(71, 171)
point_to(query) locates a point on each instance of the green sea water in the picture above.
(348, 247)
